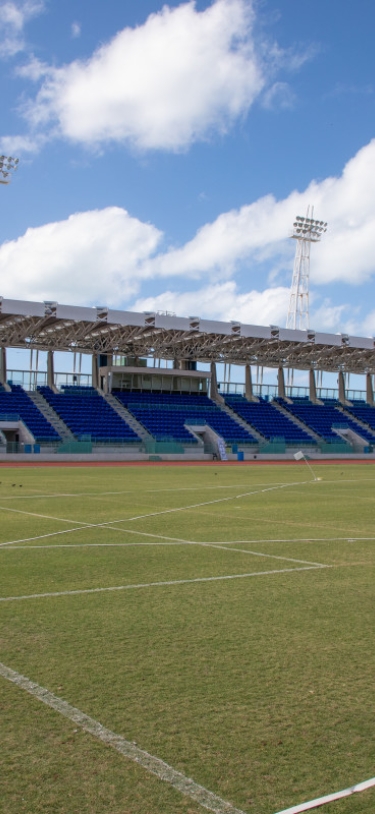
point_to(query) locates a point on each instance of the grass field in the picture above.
(238, 646)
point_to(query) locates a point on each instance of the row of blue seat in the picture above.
(166, 415)
(17, 402)
(268, 420)
(88, 414)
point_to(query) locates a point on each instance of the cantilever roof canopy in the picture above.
(50, 326)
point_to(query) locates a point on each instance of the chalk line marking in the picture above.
(177, 541)
(329, 798)
(154, 765)
(174, 539)
(153, 514)
(134, 491)
(260, 554)
(163, 584)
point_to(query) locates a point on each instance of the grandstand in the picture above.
(132, 407)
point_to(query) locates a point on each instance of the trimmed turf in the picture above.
(259, 688)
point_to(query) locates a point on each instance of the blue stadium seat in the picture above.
(164, 416)
(86, 413)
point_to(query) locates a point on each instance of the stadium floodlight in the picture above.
(306, 230)
(8, 164)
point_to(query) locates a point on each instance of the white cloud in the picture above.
(224, 302)
(89, 258)
(13, 17)
(17, 145)
(76, 30)
(257, 233)
(173, 80)
(279, 97)
(109, 255)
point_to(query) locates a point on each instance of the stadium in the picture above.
(187, 502)
(132, 409)
(186, 584)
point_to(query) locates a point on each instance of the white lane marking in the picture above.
(155, 514)
(260, 554)
(185, 785)
(329, 798)
(45, 516)
(131, 491)
(158, 544)
(178, 541)
(163, 584)
(298, 540)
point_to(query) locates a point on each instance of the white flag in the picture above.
(299, 456)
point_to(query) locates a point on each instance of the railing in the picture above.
(31, 379)
(270, 391)
(9, 417)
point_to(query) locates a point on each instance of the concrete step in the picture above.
(243, 423)
(127, 417)
(297, 421)
(356, 420)
(49, 413)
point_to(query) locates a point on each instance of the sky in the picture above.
(165, 150)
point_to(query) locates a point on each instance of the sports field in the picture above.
(202, 638)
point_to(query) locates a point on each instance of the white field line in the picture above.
(152, 514)
(52, 495)
(177, 541)
(174, 539)
(163, 584)
(260, 554)
(347, 539)
(185, 785)
(131, 491)
(329, 798)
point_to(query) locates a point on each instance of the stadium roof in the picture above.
(50, 326)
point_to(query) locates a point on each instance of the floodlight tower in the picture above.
(305, 231)
(8, 164)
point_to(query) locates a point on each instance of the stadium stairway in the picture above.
(280, 406)
(269, 422)
(89, 416)
(359, 415)
(18, 402)
(49, 413)
(241, 421)
(172, 416)
(126, 416)
(328, 419)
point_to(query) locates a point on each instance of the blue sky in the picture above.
(166, 149)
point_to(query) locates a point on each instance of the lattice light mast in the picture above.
(8, 164)
(306, 230)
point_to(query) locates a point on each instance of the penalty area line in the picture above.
(154, 765)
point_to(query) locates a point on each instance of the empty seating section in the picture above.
(164, 416)
(18, 403)
(322, 418)
(86, 413)
(365, 413)
(270, 422)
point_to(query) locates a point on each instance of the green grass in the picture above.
(259, 688)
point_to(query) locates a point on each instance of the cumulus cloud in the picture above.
(161, 85)
(223, 301)
(256, 233)
(109, 255)
(89, 258)
(13, 17)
